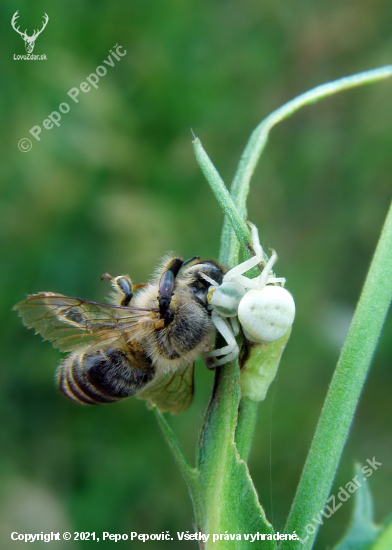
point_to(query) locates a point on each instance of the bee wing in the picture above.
(70, 322)
(173, 392)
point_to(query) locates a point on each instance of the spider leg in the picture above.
(255, 240)
(264, 276)
(230, 351)
(243, 267)
(236, 273)
(276, 280)
(234, 326)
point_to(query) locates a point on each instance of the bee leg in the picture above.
(151, 324)
(122, 284)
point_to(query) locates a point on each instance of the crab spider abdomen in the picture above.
(266, 314)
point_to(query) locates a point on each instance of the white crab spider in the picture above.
(264, 308)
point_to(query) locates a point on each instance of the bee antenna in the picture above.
(166, 288)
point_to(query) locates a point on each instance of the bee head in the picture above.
(200, 274)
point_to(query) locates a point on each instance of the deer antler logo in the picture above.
(29, 40)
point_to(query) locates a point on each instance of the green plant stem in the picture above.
(220, 191)
(214, 449)
(248, 408)
(240, 185)
(343, 394)
(245, 426)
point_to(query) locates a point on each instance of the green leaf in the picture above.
(344, 392)
(362, 531)
(384, 541)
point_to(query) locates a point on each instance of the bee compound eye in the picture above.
(213, 270)
(226, 298)
(266, 314)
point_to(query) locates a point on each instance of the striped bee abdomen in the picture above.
(103, 376)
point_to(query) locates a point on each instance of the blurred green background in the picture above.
(116, 186)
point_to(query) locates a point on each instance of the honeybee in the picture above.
(143, 344)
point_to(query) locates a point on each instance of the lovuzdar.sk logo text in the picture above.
(29, 40)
